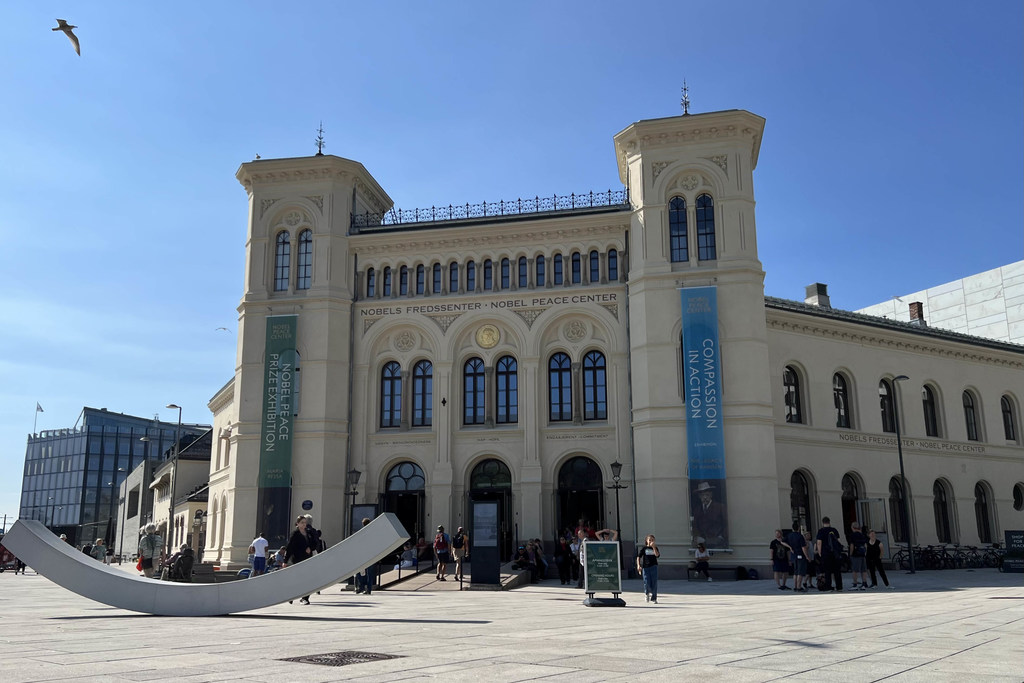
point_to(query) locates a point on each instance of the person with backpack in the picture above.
(829, 549)
(796, 541)
(858, 556)
(442, 549)
(151, 549)
(460, 549)
(780, 560)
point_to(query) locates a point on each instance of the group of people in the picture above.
(450, 548)
(795, 552)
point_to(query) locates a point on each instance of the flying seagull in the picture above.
(66, 28)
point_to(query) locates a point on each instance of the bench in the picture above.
(729, 570)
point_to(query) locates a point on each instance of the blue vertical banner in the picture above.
(705, 438)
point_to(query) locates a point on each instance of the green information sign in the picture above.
(278, 402)
(601, 568)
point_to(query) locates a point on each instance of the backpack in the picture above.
(832, 544)
(87, 549)
(440, 543)
(780, 552)
(458, 540)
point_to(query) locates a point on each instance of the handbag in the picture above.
(138, 565)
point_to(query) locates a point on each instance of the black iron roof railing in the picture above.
(612, 199)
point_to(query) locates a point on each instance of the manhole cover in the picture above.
(341, 658)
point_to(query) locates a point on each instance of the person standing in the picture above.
(258, 549)
(151, 548)
(780, 560)
(298, 549)
(442, 549)
(577, 543)
(563, 560)
(460, 548)
(364, 579)
(796, 541)
(829, 550)
(858, 561)
(99, 551)
(647, 566)
(873, 557)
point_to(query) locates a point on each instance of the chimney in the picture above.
(817, 295)
(917, 314)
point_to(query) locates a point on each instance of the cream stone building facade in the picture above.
(514, 352)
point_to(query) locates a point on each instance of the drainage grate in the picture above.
(341, 658)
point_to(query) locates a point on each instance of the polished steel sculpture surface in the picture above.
(35, 545)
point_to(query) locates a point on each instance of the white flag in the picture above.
(39, 408)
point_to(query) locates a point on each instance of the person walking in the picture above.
(873, 557)
(151, 548)
(858, 561)
(298, 549)
(647, 565)
(460, 549)
(364, 579)
(780, 551)
(796, 541)
(442, 549)
(829, 550)
(258, 550)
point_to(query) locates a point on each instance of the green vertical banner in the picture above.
(275, 473)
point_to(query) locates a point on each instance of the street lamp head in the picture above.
(175, 407)
(352, 478)
(616, 470)
(144, 438)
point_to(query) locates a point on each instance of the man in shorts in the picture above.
(460, 548)
(258, 550)
(798, 543)
(442, 549)
(858, 556)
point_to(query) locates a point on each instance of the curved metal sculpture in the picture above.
(34, 544)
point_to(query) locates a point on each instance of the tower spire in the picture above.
(320, 140)
(685, 102)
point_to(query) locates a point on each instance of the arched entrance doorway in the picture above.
(800, 501)
(491, 480)
(851, 494)
(580, 493)
(404, 496)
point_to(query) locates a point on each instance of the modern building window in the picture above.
(896, 510)
(507, 404)
(453, 278)
(282, 261)
(391, 395)
(436, 279)
(422, 393)
(706, 228)
(387, 280)
(421, 277)
(304, 276)
(577, 272)
(524, 274)
(931, 417)
(488, 275)
(471, 276)
(841, 398)
(982, 513)
(403, 280)
(371, 283)
(539, 271)
(473, 392)
(505, 275)
(886, 406)
(560, 388)
(595, 389)
(679, 248)
(558, 269)
(970, 416)
(1009, 418)
(791, 393)
(940, 504)
(613, 265)
(595, 266)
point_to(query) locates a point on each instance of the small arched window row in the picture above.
(541, 271)
(301, 253)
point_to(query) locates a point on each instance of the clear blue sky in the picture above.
(891, 161)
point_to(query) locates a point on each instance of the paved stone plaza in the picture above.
(936, 626)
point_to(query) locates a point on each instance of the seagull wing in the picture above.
(74, 41)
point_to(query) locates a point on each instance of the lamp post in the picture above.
(50, 523)
(903, 477)
(174, 480)
(351, 482)
(616, 475)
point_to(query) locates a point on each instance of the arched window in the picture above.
(523, 272)
(970, 416)
(473, 392)
(791, 394)
(453, 278)
(595, 266)
(505, 268)
(931, 419)
(391, 395)
(886, 406)
(422, 393)
(560, 388)
(595, 398)
(539, 270)
(558, 268)
(421, 278)
(1009, 418)
(577, 273)
(488, 275)
(800, 501)
(940, 503)
(471, 276)
(982, 513)
(613, 265)
(507, 404)
(705, 228)
(490, 474)
(406, 476)
(282, 261)
(304, 276)
(371, 283)
(897, 510)
(435, 277)
(841, 398)
(387, 280)
(1018, 497)
(403, 280)
(679, 247)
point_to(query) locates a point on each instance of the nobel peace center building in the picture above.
(608, 356)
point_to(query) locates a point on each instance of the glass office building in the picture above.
(72, 476)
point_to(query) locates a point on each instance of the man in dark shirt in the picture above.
(829, 548)
(796, 541)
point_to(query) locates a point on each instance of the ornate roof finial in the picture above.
(320, 140)
(685, 103)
